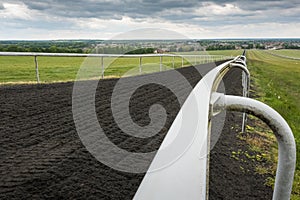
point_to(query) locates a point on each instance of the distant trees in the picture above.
(173, 48)
(45, 46)
(143, 47)
(141, 51)
(291, 46)
(220, 47)
(51, 49)
(260, 46)
(250, 46)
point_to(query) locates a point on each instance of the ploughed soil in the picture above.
(42, 156)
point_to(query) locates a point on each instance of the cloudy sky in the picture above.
(107, 19)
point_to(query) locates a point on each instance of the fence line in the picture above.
(190, 58)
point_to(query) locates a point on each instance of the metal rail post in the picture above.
(102, 66)
(245, 84)
(245, 94)
(140, 65)
(286, 141)
(173, 62)
(37, 69)
(181, 61)
(160, 64)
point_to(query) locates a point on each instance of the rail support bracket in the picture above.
(285, 138)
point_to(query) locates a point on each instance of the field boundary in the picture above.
(282, 56)
(190, 58)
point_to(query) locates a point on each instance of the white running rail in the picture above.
(187, 176)
(191, 59)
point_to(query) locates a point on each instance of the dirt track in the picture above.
(42, 156)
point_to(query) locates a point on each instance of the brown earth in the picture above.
(43, 158)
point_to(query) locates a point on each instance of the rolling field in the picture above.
(277, 83)
(60, 69)
(220, 52)
(21, 69)
(287, 52)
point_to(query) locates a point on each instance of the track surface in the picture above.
(43, 158)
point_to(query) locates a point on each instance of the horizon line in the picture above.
(76, 39)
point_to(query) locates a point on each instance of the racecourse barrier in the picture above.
(187, 177)
(192, 59)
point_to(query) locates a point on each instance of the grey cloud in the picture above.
(255, 11)
(268, 5)
(107, 9)
(142, 8)
(38, 5)
(44, 25)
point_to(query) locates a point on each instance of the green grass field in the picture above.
(287, 52)
(221, 52)
(21, 69)
(277, 83)
(52, 69)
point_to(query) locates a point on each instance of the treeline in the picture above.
(73, 49)
(142, 51)
(47, 46)
(220, 47)
(260, 46)
(51, 49)
(232, 47)
(142, 47)
(121, 50)
(291, 46)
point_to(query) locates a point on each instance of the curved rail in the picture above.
(186, 177)
(284, 135)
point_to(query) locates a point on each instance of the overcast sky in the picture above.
(107, 19)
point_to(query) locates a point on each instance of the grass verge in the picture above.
(277, 83)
